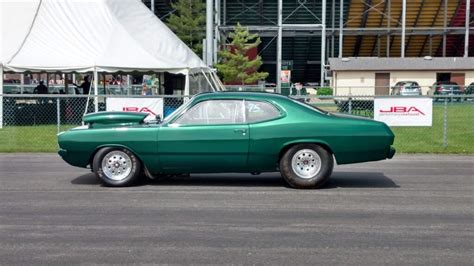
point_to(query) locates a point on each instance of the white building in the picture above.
(375, 76)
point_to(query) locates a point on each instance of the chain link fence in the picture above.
(31, 122)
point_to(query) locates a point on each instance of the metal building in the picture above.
(291, 30)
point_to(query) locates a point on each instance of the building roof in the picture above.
(83, 36)
(397, 63)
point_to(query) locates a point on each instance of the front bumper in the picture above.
(391, 153)
(62, 153)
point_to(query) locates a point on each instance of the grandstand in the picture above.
(371, 28)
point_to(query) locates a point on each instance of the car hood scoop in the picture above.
(114, 119)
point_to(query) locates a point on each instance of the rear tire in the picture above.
(116, 167)
(306, 166)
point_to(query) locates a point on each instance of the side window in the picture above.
(260, 111)
(213, 112)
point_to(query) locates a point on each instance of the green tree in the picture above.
(189, 22)
(235, 65)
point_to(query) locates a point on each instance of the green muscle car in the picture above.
(226, 132)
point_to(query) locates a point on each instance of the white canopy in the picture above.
(90, 35)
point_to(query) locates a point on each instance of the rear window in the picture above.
(312, 107)
(257, 111)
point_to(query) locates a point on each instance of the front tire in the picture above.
(116, 167)
(306, 166)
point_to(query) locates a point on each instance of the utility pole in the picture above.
(209, 31)
(279, 44)
(466, 38)
(404, 20)
(341, 12)
(323, 43)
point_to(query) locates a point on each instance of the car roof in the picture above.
(447, 82)
(243, 95)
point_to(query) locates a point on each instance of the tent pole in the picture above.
(214, 80)
(208, 82)
(219, 83)
(103, 81)
(1, 95)
(186, 84)
(96, 91)
(129, 85)
(22, 82)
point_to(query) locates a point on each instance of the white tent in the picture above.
(92, 35)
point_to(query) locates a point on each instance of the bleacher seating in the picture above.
(420, 13)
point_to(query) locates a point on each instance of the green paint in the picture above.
(224, 148)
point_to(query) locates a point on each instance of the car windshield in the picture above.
(307, 105)
(177, 111)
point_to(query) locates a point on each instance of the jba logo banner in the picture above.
(404, 111)
(152, 106)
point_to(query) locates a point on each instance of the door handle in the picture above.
(241, 131)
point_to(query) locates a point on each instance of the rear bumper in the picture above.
(448, 93)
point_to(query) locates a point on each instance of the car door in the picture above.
(266, 134)
(210, 136)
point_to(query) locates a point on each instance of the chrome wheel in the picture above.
(116, 165)
(306, 163)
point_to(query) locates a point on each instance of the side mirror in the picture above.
(158, 118)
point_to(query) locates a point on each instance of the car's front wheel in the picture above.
(116, 167)
(306, 166)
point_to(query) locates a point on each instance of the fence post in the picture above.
(350, 103)
(58, 114)
(445, 124)
(1, 95)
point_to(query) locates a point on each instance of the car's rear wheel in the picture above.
(116, 167)
(306, 166)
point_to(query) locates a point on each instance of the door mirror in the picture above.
(158, 118)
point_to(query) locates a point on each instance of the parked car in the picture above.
(226, 132)
(406, 88)
(469, 90)
(446, 88)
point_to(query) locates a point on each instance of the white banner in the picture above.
(404, 111)
(153, 106)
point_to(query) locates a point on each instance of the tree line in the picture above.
(235, 64)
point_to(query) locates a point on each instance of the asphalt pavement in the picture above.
(413, 209)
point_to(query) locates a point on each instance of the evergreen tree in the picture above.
(235, 65)
(189, 22)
